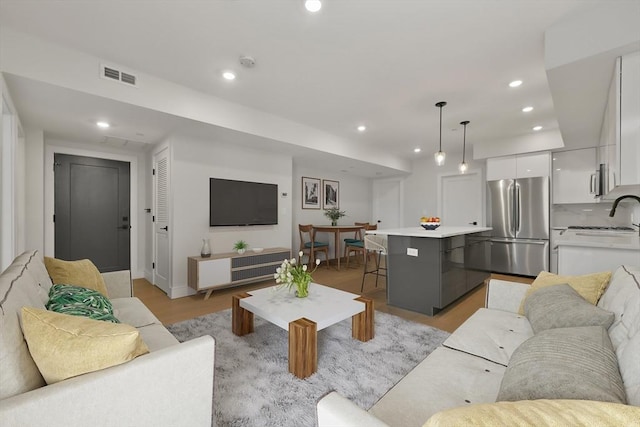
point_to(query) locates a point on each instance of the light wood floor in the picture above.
(171, 311)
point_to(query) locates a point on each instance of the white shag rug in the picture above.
(252, 383)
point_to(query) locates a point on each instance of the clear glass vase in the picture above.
(302, 288)
(205, 252)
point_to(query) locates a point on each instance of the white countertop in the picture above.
(439, 233)
(585, 238)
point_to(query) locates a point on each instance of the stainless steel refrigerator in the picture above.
(520, 220)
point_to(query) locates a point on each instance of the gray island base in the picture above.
(429, 269)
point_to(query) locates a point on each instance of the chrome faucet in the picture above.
(615, 205)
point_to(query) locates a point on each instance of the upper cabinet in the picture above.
(518, 166)
(630, 119)
(619, 148)
(574, 176)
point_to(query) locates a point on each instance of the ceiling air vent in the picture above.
(112, 73)
(128, 78)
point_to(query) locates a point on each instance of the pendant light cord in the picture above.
(464, 142)
(440, 146)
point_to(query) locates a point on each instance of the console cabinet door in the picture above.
(214, 272)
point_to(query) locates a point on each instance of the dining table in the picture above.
(337, 230)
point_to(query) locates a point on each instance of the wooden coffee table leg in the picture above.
(362, 324)
(241, 319)
(303, 347)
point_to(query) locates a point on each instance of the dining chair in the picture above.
(308, 244)
(378, 245)
(358, 234)
(358, 245)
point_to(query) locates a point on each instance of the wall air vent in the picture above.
(112, 73)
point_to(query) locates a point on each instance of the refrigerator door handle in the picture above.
(529, 242)
(517, 209)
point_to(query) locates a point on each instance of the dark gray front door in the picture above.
(92, 218)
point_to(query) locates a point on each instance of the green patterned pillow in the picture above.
(78, 301)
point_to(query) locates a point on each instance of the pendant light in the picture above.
(463, 166)
(440, 155)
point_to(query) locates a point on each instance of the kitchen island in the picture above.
(429, 269)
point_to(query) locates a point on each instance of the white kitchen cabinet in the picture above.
(574, 176)
(578, 260)
(619, 144)
(519, 166)
(630, 120)
(553, 255)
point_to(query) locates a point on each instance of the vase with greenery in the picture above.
(240, 246)
(334, 214)
(293, 273)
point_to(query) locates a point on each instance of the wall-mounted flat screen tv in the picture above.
(242, 203)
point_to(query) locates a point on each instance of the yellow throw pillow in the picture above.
(538, 413)
(79, 273)
(65, 346)
(589, 286)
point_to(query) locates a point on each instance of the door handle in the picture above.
(165, 228)
(473, 223)
(517, 208)
(124, 227)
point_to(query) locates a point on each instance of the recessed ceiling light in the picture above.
(527, 109)
(536, 128)
(362, 128)
(102, 125)
(228, 75)
(312, 5)
(417, 150)
(515, 83)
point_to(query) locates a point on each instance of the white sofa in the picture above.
(170, 385)
(469, 366)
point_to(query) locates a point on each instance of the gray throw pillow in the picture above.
(560, 306)
(565, 363)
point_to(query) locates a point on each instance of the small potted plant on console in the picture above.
(240, 246)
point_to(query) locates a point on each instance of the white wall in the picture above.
(355, 199)
(421, 187)
(194, 161)
(526, 143)
(34, 197)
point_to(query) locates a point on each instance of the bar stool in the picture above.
(375, 243)
(357, 245)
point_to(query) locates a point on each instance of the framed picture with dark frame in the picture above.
(311, 193)
(331, 194)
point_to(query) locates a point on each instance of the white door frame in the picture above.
(49, 226)
(159, 149)
(9, 140)
(482, 187)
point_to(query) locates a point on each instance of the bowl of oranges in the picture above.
(430, 222)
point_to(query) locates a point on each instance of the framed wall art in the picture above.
(331, 194)
(311, 193)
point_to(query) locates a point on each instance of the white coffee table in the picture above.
(303, 318)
